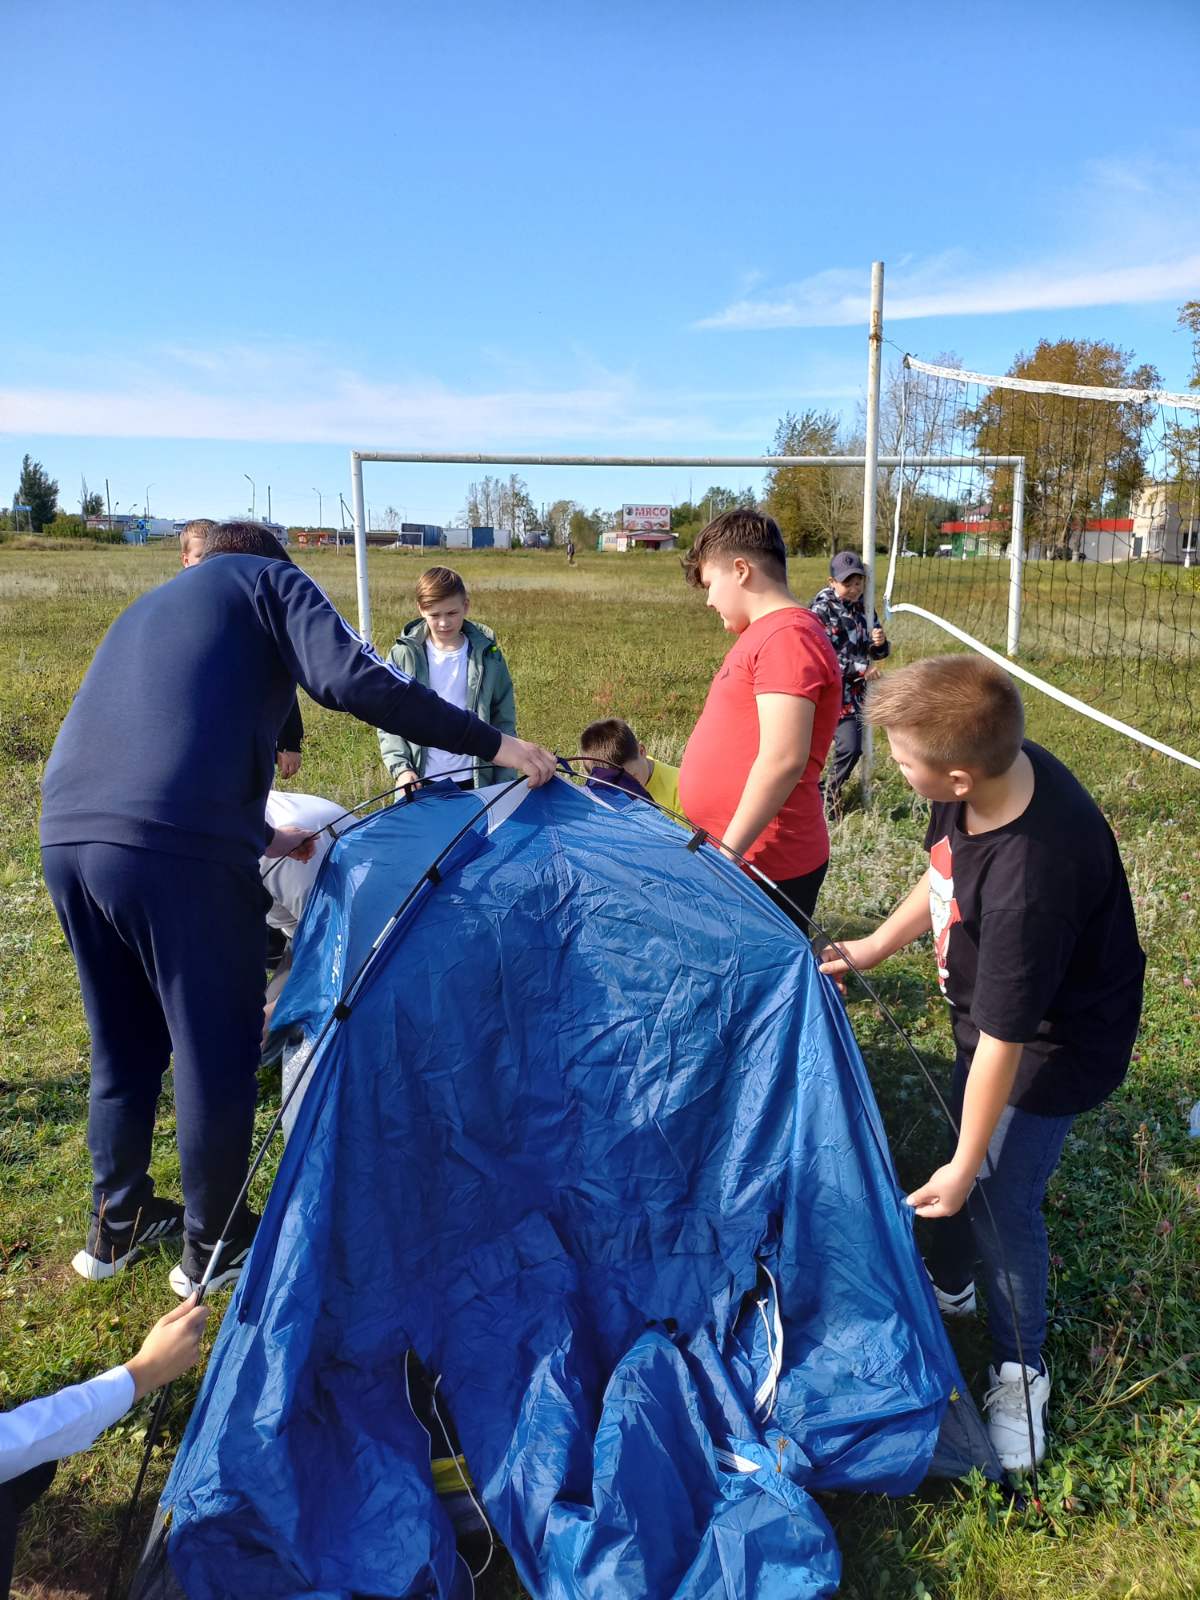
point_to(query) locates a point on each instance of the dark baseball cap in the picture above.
(846, 565)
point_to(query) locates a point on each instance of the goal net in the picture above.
(1076, 555)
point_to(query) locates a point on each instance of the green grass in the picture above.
(622, 635)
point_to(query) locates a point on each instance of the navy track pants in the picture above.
(171, 953)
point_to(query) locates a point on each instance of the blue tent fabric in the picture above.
(597, 1143)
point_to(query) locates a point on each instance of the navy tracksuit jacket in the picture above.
(153, 820)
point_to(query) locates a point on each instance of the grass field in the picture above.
(622, 635)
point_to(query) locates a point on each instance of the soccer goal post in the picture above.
(483, 459)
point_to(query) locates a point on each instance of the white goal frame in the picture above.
(761, 463)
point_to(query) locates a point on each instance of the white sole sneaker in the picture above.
(110, 1250)
(95, 1270)
(1008, 1421)
(232, 1261)
(959, 1304)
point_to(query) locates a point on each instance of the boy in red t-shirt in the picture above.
(751, 767)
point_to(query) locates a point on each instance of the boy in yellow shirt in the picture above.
(613, 743)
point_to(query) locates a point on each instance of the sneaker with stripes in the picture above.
(954, 1303)
(185, 1278)
(114, 1245)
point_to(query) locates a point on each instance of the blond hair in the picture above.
(439, 583)
(198, 528)
(957, 711)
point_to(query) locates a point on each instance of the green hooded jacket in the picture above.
(489, 695)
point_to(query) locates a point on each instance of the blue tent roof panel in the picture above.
(597, 1143)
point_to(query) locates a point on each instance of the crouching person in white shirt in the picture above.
(36, 1435)
(288, 880)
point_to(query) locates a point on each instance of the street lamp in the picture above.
(320, 509)
(253, 493)
(149, 486)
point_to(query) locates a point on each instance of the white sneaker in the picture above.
(959, 1304)
(1007, 1420)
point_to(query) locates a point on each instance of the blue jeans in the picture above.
(1023, 1152)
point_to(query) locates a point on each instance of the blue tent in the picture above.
(596, 1142)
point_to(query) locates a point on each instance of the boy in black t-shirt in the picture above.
(1038, 957)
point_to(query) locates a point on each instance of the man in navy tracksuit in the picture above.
(153, 821)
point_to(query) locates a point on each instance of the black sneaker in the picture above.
(113, 1245)
(185, 1278)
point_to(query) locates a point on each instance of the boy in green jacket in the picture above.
(460, 661)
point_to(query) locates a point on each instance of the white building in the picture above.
(1165, 521)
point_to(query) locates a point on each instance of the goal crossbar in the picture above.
(468, 458)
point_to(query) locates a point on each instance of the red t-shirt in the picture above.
(785, 652)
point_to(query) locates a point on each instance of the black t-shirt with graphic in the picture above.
(1036, 941)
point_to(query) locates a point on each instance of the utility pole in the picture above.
(320, 509)
(871, 489)
(108, 503)
(268, 502)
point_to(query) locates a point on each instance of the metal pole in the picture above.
(871, 487)
(360, 545)
(1016, 559)
(108, 503)
(253, 497)
(269, 517)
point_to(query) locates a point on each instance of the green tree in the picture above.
(1189, 317)
(39, 492)
(585, 527)
(814, 506)
(90, 505)
(1181, 431)
(1080, 455)
(558, 519)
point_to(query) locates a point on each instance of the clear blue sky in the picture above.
(241, 237)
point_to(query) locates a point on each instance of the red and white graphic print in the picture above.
(943, 907)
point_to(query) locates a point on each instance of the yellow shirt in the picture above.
(664, 786)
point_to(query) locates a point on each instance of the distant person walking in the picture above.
(153, 822)
(570, 552)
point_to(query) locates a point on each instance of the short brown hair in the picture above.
(244, 539)
(198, 528)
(741, 532)
(959, 711)
(610, 743)
(439, 583)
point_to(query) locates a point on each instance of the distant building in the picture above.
(1165, 524)
(623, 539)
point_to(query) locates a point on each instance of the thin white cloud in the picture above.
(1133, 227)
(286, 394)
(835, 298)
